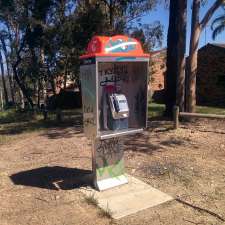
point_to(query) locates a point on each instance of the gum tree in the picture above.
(176, 44)
(197, 26)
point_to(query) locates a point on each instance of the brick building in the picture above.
(211, 75)
(157, 68)
(210, 89)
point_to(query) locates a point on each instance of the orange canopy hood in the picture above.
(119, 45)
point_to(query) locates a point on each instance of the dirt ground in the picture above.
(41, 171)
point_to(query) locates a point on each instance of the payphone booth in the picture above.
(114, 78)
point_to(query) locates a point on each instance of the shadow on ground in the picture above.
(62, 131)
(74, 122)
(54, 178)
(140, 143)
(68, 132)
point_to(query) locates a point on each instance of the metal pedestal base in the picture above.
(111, 182)
(108, 163)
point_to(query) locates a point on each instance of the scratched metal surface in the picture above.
(109, 158)
(131, 78)
(89, 100)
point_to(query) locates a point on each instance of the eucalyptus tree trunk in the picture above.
(43, 83)
(1, 98)
(181, 60)
(196, 28)
(10, 81)
(176, 44)
(52, 82)
(22, 101)
(171, 62)
(38, 93)
(24, 92)
(3, 80)
(7, 67)
(193, 56)
(65, 73)
(111, 14)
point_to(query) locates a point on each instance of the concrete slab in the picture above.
(129, 198)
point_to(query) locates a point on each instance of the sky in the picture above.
(162, 14)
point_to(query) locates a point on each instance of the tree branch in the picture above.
(210, 12)
(200, 209)
(20, 49)
(106, 2)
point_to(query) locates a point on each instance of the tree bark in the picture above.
(3, 80)
(1, 98)
(196, 29)
(193, 56)
(22, 87)
(65, 80)
(52, 83)
(181, 48)
(22, 102)
(110, 5)
(111, 15)
(10, 81)
(7, 67)
(44, 91)
(38, 93)
(65, 74)
(171, 63)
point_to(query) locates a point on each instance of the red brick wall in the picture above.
(210, 86)
(210, 89)
(157, 70)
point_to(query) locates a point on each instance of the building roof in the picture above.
(217, 45)
(221, 45)
(158, 54)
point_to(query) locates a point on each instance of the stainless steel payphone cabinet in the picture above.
(114, 80)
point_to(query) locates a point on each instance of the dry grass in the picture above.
(105, 212)
(91, 199)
